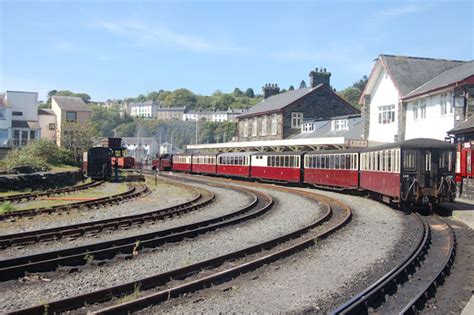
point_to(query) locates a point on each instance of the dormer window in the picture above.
(339, 124)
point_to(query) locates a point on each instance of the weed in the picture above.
(135, 248)
(132, 296)
(89, 258)
(7, 207)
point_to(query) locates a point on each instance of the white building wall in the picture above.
(24, 102)
(47, 133)
(5, 126)
(435, 125)
(385, 93)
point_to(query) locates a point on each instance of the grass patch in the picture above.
(130, 297)
(97, 192)
(63, 168)
(7, 207)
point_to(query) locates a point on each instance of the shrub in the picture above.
(38, 155)
(6, 207)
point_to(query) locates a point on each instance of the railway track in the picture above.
(125, 247)
(35, 195)
(407, 287)
(201, 199)
(161, 287)
(133, 191)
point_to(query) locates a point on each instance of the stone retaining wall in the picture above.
(467, 188)
(40, 181)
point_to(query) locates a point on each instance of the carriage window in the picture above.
(428, 161)
(409, 160)
(382, 161)
(389, 160)
(446, 160)
(336, 161)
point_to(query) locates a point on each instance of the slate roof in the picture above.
(465, 126)
(278, 101)
(171, 109)
(25, 124)
(446, 78)
(409, 73)
(72, 103)
(46, 111)
(323, 129)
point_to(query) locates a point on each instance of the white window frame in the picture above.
(423, 109)
(263, 132)
(254, 127)
(296, 120)
(443, 104)
(274, 128)
(246, 128)
(3, 114)
(386, 114)
(415, 110)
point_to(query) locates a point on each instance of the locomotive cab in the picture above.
(427, 174)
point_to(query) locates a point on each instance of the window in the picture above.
(264, 126)
(450, 100)
(428, 161)
(32, 134)
(296, 120)
(415, 110)
(52, 126)
(423, 108)
(17, 113)
(446, 160)
(340, 124)
(386, 114)
(274, 124)
(254, 127)
(443, 104)
(246, 128)
(3, 134)
(71, 116)
(409, 160)
(2, 114)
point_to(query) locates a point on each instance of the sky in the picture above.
(118, 49)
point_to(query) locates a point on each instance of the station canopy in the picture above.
(311, 144)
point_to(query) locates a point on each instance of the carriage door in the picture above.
(428, 170)
(468, 162)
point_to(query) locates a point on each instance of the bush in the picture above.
(39, 155)
(6, 207)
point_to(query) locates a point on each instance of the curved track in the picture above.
(201, 199)
(215, 270)
(133, 191)
(32, 196)
(405, 288)
(50, 261)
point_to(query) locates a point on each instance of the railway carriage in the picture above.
(332, 169)
(163, 162)
(417, 172)
(182, 162)
(234, 164)
(99, 163)
(278, 166)
(204, 163)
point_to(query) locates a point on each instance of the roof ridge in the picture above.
(422, 58)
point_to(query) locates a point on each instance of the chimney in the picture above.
(270, 89)
(317, 77)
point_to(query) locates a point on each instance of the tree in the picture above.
(140, 98)
(181, 97)
(238, 92)
(351, 95)
(291, 88)
(249, 93)
(302, 84)
(361, 83)
(153, 96)
(78, 137)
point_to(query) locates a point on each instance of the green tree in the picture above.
(238, 92)
(79, 137)
(351, 95)
(153, 96)
(181, 97)
(140, 98)
(302, 84)
(291, 88)
(249, 93)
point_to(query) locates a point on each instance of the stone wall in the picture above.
(321, 103)
(260, 122)
(40, 181)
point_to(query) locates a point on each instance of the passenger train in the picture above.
(408, 173)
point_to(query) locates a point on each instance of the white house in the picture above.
(411, 97)
(141, 148)
(24, 117)
(146, 109)
(5, 121)
(48, 123)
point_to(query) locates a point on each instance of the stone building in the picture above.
(413, 97)
(170, 113)
(280, 115)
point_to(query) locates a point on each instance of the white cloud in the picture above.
(143, 34)
(400, 10)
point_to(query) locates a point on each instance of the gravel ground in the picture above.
(319, 278)
(280, 220)
(162, 196)
(241, 200)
